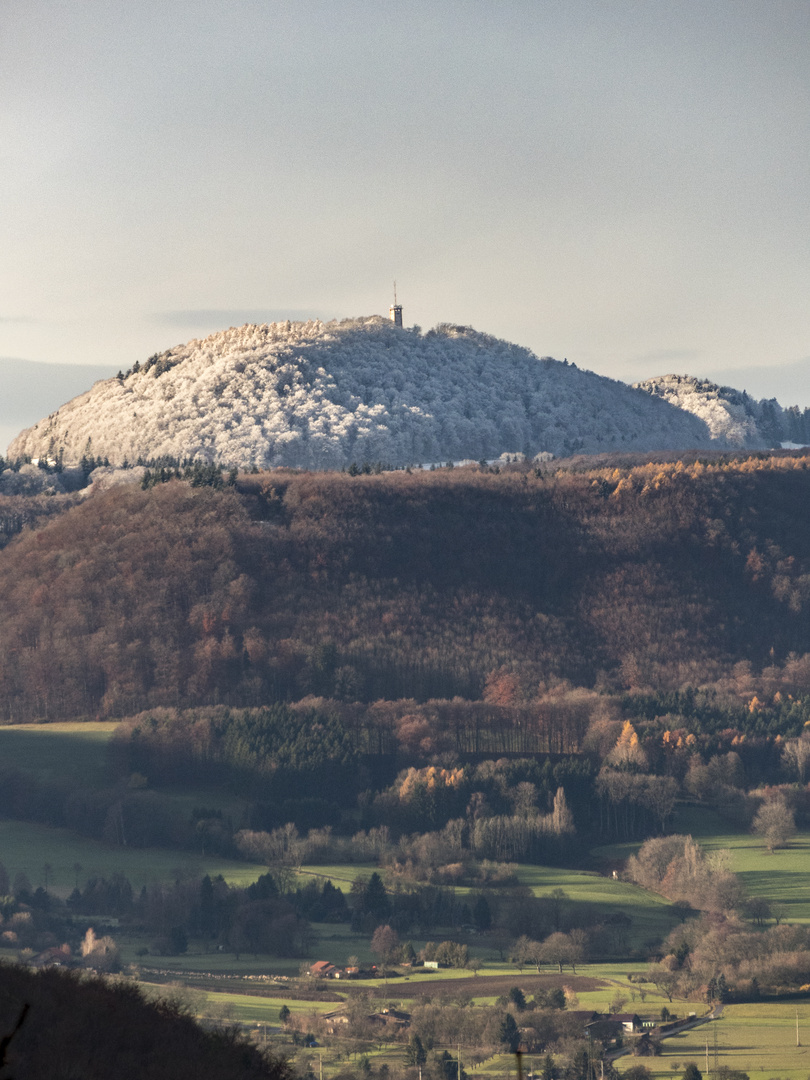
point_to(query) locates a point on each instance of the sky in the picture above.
(622, 183)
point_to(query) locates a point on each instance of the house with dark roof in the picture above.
(631, 1022)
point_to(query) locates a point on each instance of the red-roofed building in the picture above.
(323, 969)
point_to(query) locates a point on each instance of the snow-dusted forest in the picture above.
(324, 395)
(733, 417)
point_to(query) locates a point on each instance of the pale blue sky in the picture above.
(620, 182)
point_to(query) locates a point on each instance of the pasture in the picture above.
(759, 1039)
(50, 751)
(781, 876)
(652, 915)
(28, 848)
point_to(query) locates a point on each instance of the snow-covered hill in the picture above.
(322, 395)
(732, 416)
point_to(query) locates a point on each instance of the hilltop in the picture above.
(324, 395)
(732, 416)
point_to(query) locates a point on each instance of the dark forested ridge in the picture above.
(430, 585)
(61, 1024)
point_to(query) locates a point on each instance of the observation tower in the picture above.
(395, 311)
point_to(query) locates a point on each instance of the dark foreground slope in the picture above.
(86, 1028)
(404, 585)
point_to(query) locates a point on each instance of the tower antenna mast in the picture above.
(395, 311)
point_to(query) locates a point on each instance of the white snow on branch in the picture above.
(322, 395)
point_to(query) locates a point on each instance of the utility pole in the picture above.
(797, 1028)
(715, 1052)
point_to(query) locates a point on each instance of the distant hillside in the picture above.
(405, 586)
(732, 416)
(324, 395)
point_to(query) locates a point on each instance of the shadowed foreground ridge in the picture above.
(78, 1027)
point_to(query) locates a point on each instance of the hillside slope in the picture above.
(732, 416)
(399, 586)
(322, 395)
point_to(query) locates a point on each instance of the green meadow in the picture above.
(28, 848)
(782, 876)
(251, 1009)
(652, 915)
(75, 751)
(341, 875)
(759, 1039)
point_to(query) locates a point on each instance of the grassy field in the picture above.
(262, 1010)
(759, 1039)
(77, 751)
(340, 874)
(782, 876)
(27, 848)
(652, 915)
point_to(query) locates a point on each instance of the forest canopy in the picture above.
(463, 583)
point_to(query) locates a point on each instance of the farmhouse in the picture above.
(631, 1022)
(392, 1018)
(323, 969)
(334, 1021)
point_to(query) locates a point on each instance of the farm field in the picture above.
(595, 987)
(251, 1009)
(759, 1039)
(195, 962)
